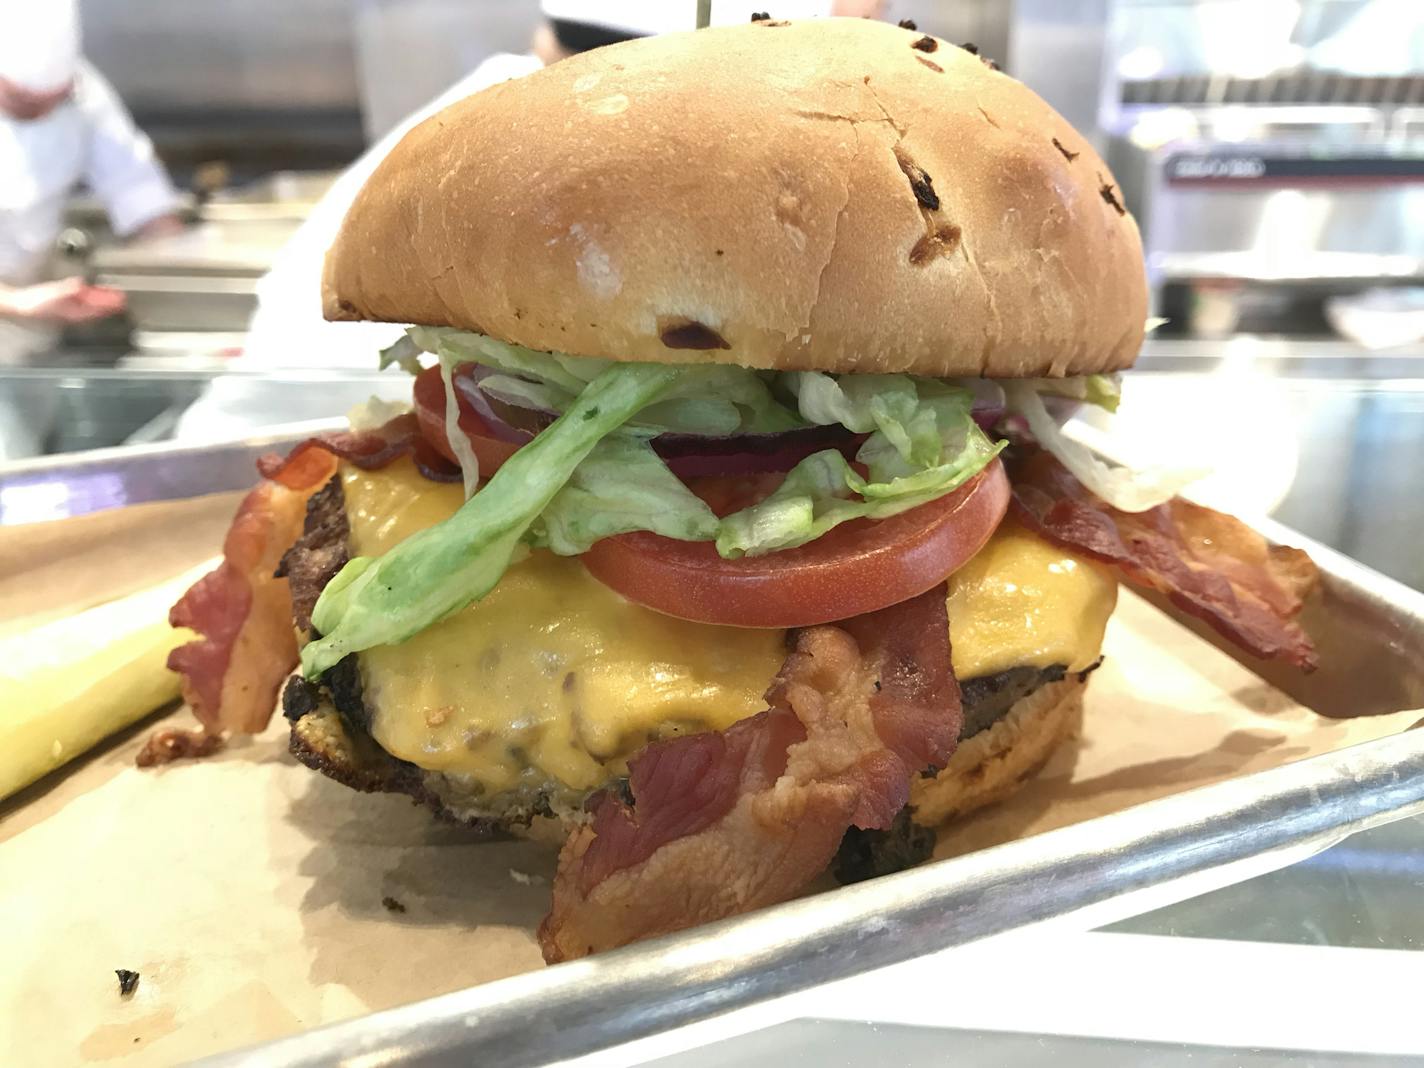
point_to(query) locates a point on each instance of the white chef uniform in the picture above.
(89, 140)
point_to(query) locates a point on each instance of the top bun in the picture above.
(833, 194)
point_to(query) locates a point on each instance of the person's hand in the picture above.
(165, 225)
(69, 300)
(28, 105)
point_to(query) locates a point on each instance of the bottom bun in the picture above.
(996, 762)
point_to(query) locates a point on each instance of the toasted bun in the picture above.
(833, 194)
(994, 763)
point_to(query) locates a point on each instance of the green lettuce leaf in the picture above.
(820, 492)
(622, 486)
(713, 400)
(1103, 390)
(443, 568)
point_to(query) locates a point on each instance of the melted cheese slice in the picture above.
(553, 676)
(1023, 602)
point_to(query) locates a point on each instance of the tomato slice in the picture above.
(860, 566)
(429, 397)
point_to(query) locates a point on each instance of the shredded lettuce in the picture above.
(622, 486)
(1125, 489)
(593, 474)
(443, 568)
(711, 400)
(459, 444)
(513, 389)
(462, 346)
(405, 354)
(923, 445)
(1105, 391)
(741, 398)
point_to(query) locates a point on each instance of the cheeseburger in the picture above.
(731, 534)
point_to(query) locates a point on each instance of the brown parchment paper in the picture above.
(49, 570)
(257, 899)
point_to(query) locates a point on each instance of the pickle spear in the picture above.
(68, 684)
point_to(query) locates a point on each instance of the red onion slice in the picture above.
(467, 379)
(989, 401)
(750, 454)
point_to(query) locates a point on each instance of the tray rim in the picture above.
(546, 1015)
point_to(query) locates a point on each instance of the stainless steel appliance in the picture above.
(1272, 152)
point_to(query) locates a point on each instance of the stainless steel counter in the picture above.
(74, 407)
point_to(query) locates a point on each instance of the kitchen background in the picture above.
(1272, 151)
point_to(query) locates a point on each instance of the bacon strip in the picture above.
(369, 450)
(242, 611)
(721, 823)
(1206, 563)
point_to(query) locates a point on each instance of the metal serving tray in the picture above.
(72, 484)
(1371, 633)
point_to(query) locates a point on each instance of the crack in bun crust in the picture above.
(812, 198)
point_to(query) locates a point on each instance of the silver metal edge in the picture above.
(51, 488)
(584, 1006)
(1368, 626)
(657, 985)
(1341, 569)
(120, 455)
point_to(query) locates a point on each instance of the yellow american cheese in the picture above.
(1022, 601)
(552, 673)
(555, 676)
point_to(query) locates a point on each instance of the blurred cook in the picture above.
(288, 331)
(61, 127)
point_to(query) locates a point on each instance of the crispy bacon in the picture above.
(721, 823)
(1209, 564)
(242, 611)
(368, 450)
(175, 743)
